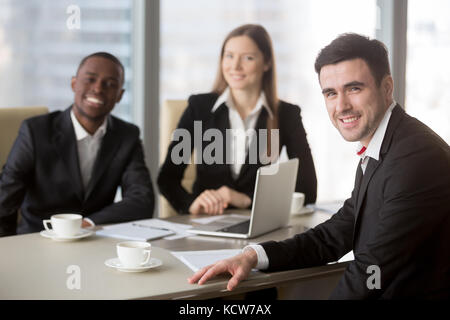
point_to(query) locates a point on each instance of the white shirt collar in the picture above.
(81, 133)
(225, 97)
(374, 147)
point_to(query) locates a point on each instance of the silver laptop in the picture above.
(271, 205)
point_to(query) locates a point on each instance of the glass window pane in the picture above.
(428, 64)
(191, 37)
(41, 47)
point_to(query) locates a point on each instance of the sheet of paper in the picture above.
(305, 210)
(196, 260)
(347, 257)
(330, 207)
(132, 231)
(178, 228)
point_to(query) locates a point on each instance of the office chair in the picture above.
(169, 117)
(10, 121)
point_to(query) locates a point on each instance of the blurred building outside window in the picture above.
(42, 43)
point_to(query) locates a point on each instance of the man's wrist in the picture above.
(252, 255)
(262, 261)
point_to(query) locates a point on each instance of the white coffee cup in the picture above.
(64, 225)
(133, 254)
(298, 199)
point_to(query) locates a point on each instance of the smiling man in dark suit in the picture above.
(397, 221)
(74, 160)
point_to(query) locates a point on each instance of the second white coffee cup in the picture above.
(133, 254)
(298, 199)
(64, 225)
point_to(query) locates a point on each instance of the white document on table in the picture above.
(131, 231)
(196, 260)
(145, 230)
(347, 257)
(330, 207)
(179, 229)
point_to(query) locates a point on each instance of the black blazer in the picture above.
(213, 176)
(42, 175)
(398, 218)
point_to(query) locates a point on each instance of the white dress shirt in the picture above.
(374, 147)
(239, 143)
(88, 146)
(372, 150)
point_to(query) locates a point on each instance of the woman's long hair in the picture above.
(269, 85)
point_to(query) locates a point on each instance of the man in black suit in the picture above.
(397, 221)
(74, 160)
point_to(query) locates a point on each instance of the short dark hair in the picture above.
(350, 46)
(105, 55)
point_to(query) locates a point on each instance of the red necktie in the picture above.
(360, 152)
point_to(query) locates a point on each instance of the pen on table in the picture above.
(151, 227)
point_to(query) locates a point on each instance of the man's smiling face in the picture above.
(97, 87)
(355, 103)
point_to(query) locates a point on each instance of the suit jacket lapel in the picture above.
(65, 144)
(358, 179)
(110, 144)
(396, 116)
(372, 166)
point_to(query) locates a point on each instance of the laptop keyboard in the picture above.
(242, 228)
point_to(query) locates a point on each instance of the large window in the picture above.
(39, 53)
(191, 36)
(43, 41)
(428, 64)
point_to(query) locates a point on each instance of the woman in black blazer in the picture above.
(244, 98)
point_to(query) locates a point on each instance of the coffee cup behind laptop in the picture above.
(64, 225)
(298, 199)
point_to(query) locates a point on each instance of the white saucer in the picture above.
(115, 263)
(52, 235)
(304, 210)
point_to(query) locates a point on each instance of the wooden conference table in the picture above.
(34, 267)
